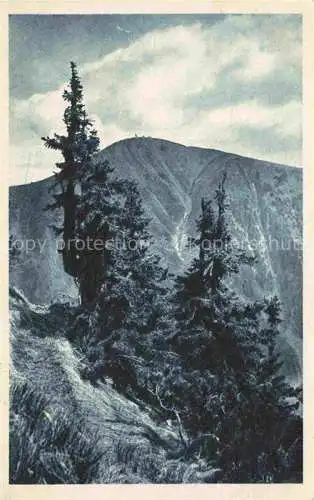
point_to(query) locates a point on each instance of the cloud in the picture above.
(212, 86)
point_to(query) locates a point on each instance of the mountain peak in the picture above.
(265, 216)
(156, 143)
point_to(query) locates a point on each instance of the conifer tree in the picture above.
(131, 304)
(84, 194)
(77, 147)
(98, 208)
(203, 299)
(135, 263)
(227, 385)
(135, 285)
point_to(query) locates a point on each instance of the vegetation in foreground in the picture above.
(189, 349)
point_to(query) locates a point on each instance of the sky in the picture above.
(228, 82)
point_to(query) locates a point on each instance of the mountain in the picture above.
(265, 215)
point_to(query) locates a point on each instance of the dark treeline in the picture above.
(194, 351)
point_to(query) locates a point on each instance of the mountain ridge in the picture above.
(235, 155)
(265, 206)
(202, 148)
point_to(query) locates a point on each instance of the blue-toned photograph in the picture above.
(155, 248)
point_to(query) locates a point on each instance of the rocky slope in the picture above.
(265, 215)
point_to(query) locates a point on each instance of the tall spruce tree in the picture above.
(77, 148)
(84, 193)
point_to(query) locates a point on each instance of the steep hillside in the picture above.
(265, 214)
(56, 416)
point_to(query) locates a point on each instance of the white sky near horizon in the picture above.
(224, 82)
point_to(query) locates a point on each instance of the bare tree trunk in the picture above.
(93, 267)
